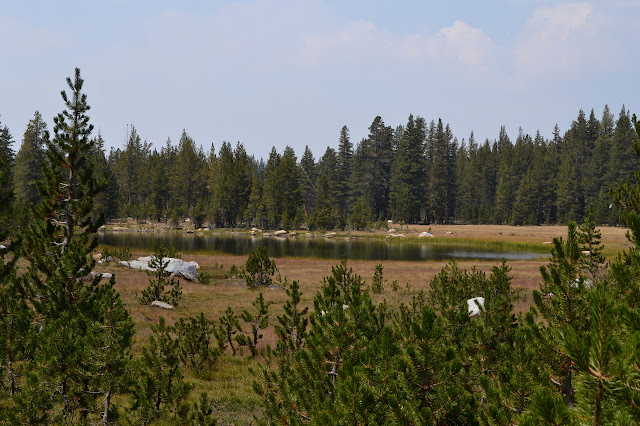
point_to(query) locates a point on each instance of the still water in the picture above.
(320, 247)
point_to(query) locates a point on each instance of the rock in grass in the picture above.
(163, 305)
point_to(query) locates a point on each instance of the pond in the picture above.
(319, 247)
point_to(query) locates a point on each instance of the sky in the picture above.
(277, 73)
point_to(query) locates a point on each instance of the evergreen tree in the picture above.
(7, 162)
(155, 291)
(160, 388)
(343, 172)
(506, 181)
(442, 163)
(75, 320)
(324, 215)
(188, 173)
(561, 303)
(28, 166)
(372, 168)
(308, 179)
(408, 173)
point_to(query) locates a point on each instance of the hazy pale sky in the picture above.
(293, 72)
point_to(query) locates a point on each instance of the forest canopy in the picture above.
(417, 172)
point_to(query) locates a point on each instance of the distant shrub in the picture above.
(259, 269)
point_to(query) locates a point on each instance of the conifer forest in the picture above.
(457, 353)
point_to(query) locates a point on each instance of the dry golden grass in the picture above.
(229, 382)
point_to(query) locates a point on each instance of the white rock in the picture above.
(266, 234)
(163, 305)
(475, 306)
(280, 233)
(425, 235)
(175, 266)
(256, 230)
(330, 234)
(3, 247)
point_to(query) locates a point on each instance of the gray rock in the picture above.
(179, 267)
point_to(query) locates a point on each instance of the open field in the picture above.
(229, 382)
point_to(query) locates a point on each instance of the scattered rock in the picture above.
(266, 234)
(92, 275)
(280, 233)
(396, 235)
(330, 235)
(308, 235)
(425, 235)
(3, 247)
(256, 230)
(449, 232)
(392, 230)
(176, 266)
(163, 305)
(475, 306)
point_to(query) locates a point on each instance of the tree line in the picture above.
(414, 173)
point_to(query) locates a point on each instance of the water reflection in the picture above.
(324, 248)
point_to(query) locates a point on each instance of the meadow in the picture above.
(229, 382)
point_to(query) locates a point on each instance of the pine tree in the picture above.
(292, 324)
(561, 303)
(195, 347)
(160, 388)
(7, 162)
(75, 319)
(28, 164)
(257, 321)
(442, 163)
(156, 288)
(324, 215)
(408, 173)
(343, 172)
(308, 179)
(372, 168)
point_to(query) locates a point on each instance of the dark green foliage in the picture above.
(377, 283)
(193, 337)
(259, 269)
(441, 150)
(201, 413)
(160, 388)
(561, 303)
(258, 320)
(324, 215)
(408, 173)
(228, 327)
(547, 409)
(292, 324)
(361, 215)
(109, 254)
(28, 167)
(282, 198)
(75, 320)
(156, 288)
(359, 363)
(589, 239)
